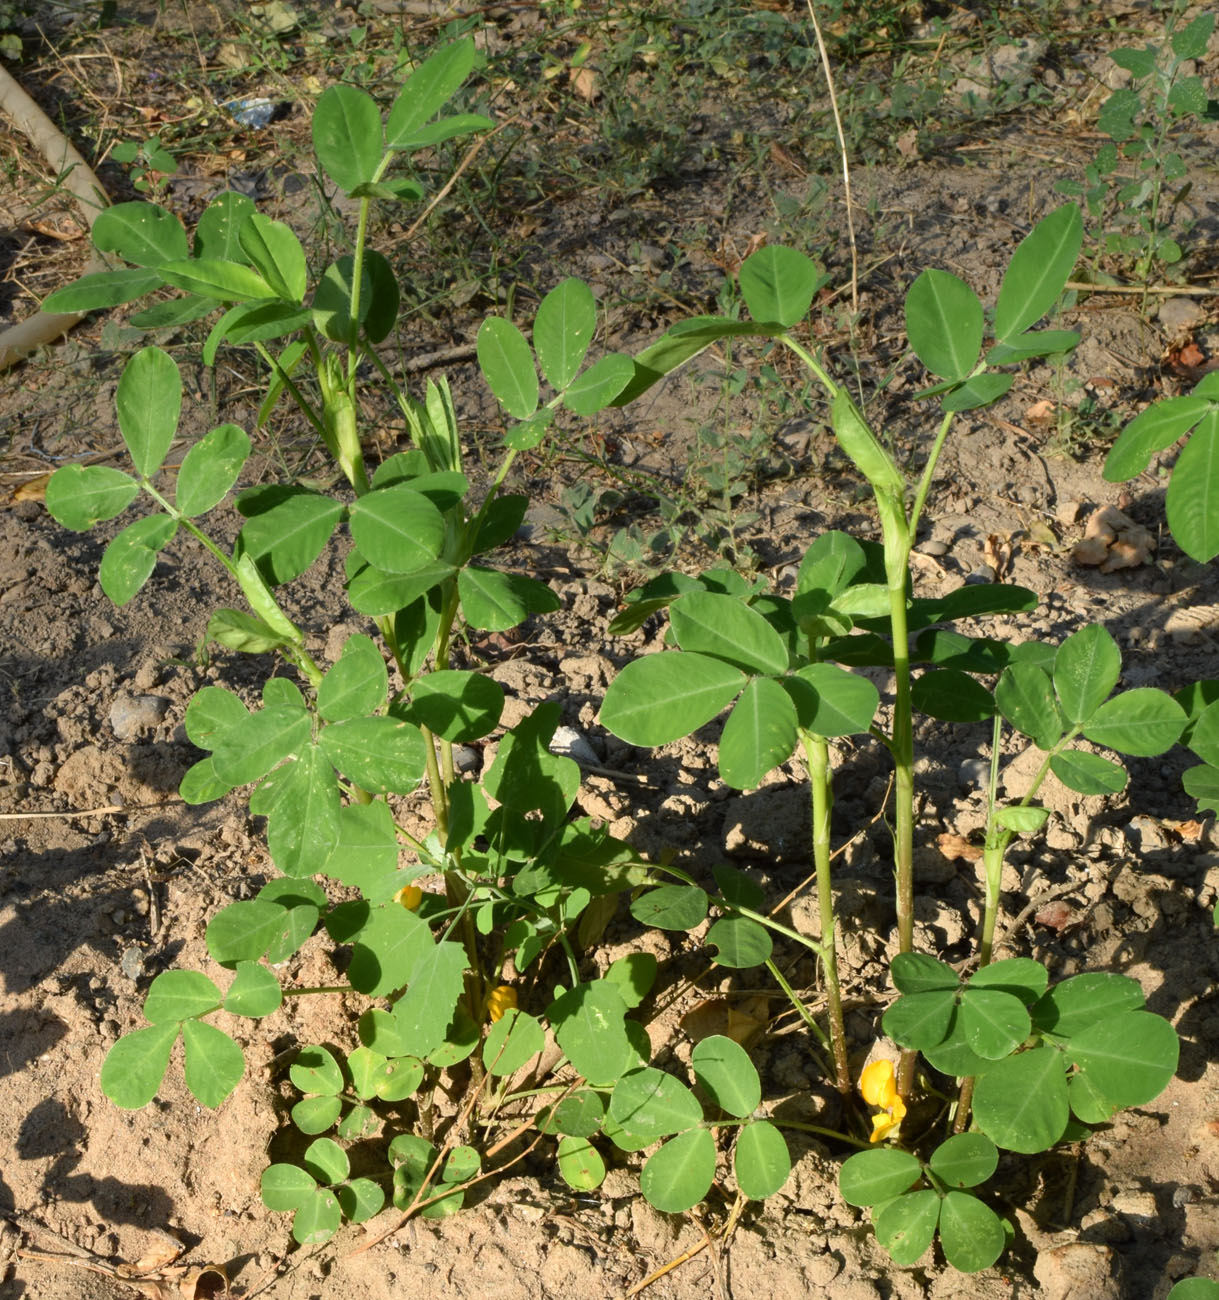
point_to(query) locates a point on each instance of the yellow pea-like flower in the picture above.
(499, 1000)
(410, 896)
(878, 1087)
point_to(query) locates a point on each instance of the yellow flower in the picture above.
(499, 1000)
(878, 1087)
(410, 896)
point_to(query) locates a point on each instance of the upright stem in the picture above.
(817, 751)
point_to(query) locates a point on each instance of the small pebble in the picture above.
(932, 546)
(130, 715)
(984, 573)
(1179, 315)
(574, 744)
(132, 963)
(466, 758)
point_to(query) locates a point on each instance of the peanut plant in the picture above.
(469, 945)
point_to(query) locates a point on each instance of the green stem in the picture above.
(817, 752)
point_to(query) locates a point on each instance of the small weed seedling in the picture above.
(478, 982)
(1133, 214)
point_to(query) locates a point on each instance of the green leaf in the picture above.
(332, 299)
(381, 755)
(149, 401)
(140, 233)
(360, 1122)
(512, 1041)
(662, 697)
(1039, 270)
(1143, 722)
(318, 1218)
(727, 1075)
(944, 324)
(254, 993)
(360, 1199)
(316, 1071)
(277, 253)
(742, 943)
(200, 784)
(286, 1187)
(680, 1174)
(300, 904)
(952, 696)
(1195, 1288)
(506, 361)
(380, 314)
(873, 1177)
(1203, 735)
(759, 735)
(653, 1104)
(243, 931)
(905, 1226)
(971, 1233)
(1083, 1000)
(679, 344)
(388, 942)
(376, 593)
(1130, 1057)
(1202, 783)
(214, 1063)
(1152, 430)
(436, 983)
(921, 1020)
(1088, 773)
(563, 329)
(1025, 697)
(1025, 347)
(372, 1075)
(965, 1160)
(494, 602)
(778, 284)
(357, 685)
(304, 824)
(918, 972)
(326, 1161)
(1020, 818)
(286, 528)
(830, 701)
(428, 89)
(500, 520)
(457, 705)
(397, 529)
(210, 469)
(580, 1164)
(180, 995)
(579, 1114)
(634, 974)
(725, 628)
(218, 233)
(136, 1064)
(1192, 501)
(131, 556)
(347, 136)
(671, 907)
(589, 1025)
(977, 392)
(79, 496)
(1021, 1102)
(250, 748)
(100, 290)
(994, 1022)
(599, 385)
(761, 1160)
(1022, 977)
(1086, 669)
(1190, 42)
(214, 278)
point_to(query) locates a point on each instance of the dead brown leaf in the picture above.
(956, 848)
(34, 489)
(586, 83)
(1042, 412)
(743, 1022)
(997, 551)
